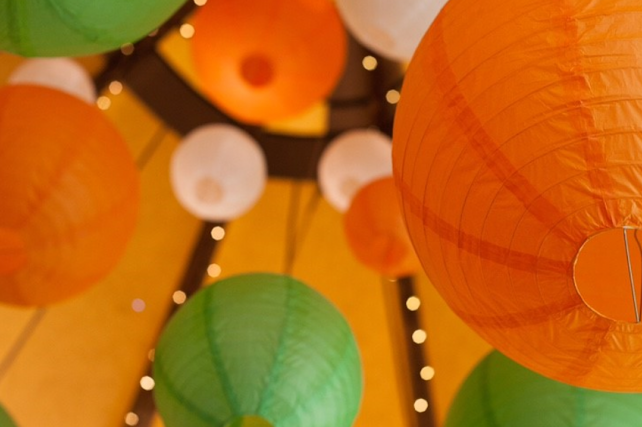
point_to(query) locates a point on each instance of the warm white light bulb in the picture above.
(421, 405)
(369, 63)
(419, 336)
(147, 383)
(413, 303)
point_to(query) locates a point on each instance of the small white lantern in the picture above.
(63, 74)
(218, 172)
(391, 28)
(350, 161)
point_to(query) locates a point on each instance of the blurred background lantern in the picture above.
(500, 392)
(517, 139)
(78, 27)
(350, 161)
(68, 195)
(57, 73)
(5, 419)
(218, 172)
(258, 345)
(390, 28)
(376, 232)
(286, 55)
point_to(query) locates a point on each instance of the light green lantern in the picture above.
(78, 27)
(5, 419)
(257, 350)
(501, 393)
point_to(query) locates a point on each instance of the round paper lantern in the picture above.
(259, 350)
(78, 27)
(218, 172)
(68, 195)
(518, 143)
(376, 232)
(350, 161)
(5, 419)
(391, 28)
(501, 393)
(286, 55)
(57, 73)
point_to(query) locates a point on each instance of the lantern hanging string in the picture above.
(295, 228)
(21, 341)
(151, 147)
(631, 279)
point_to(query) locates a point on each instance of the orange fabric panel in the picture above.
(286, 56)
(376, 233)
(516, 139)
(68, 195)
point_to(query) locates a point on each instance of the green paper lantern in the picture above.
(5, 419)
(78, 27)
(257, 350)
(502, 393)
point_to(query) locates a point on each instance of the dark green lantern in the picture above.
(502, 393)
(258, 350)
(78, 27)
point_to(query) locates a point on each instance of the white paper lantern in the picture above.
(391, 28)
(218, 172)
(350, 161)
(63, 74)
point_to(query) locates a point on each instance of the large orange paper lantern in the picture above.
(376, 232)
(517, 147)
(266, 60)
(68, 195)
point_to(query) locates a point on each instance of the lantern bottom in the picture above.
(607, 273)
(257, 70)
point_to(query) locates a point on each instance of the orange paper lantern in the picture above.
(376, 232)
(68, 195)
(517, 144)
(266, 60)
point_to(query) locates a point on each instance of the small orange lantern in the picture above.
(376, 232)
(517, 147)
(68, 195)
(266, 60)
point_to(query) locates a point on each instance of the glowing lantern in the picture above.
(376, 232)
(68, 195)
(517, 143)
(262, 348)
(286, 55)
(57, 73)
(350, 161)
(5, 419)
(78, 27)
(499, 392)
(218, 172)
(391, 28)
